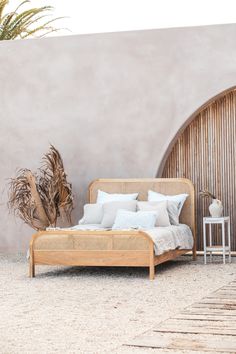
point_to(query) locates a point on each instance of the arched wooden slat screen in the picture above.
(205, 153)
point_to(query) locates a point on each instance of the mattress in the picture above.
(164, 238)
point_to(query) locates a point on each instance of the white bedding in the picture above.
(171, 238)
(165, 238)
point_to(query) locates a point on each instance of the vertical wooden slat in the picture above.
(205, 153)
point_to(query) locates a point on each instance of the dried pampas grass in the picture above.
(206, 193)
(40, 198)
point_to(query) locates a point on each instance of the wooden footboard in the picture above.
(135, 250)
(110, 254)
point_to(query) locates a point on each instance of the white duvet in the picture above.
(165, 238)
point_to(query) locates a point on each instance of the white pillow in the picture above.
(160, 208)
(104, 197)
(158, 197)
(110, 210)
(134, 220)
(93, 214)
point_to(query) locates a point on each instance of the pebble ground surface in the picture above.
(96, 310)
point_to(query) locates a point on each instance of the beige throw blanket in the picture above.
(171, 238)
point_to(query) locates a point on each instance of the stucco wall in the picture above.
(111, 103)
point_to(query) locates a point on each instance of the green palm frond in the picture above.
(3, 3)
(27, 23)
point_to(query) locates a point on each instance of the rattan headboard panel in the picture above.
(169, 186)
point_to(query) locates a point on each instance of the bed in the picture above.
(131, 248)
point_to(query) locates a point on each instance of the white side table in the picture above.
(211, 248)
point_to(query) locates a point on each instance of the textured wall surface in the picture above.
(111, 103)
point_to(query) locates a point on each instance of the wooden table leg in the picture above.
(210, 241)
(229, 241)
(204, 241)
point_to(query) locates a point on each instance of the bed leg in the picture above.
(31, 266)
(31, 270)
(194, 253)
(151, 265)
(151, 272)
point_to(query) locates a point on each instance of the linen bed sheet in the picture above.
(165, 238)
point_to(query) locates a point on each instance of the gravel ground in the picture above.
(96, 310)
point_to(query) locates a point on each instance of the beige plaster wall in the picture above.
(111, 103)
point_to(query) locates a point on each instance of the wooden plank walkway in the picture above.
(206, 326)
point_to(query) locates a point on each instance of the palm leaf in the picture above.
(27, 23)
(55, 184)
(40, 198)
(38, 29)
(3, 4)
(25, 201)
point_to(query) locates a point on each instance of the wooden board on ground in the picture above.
(206, 326)
(179, 341)
(198, 327)
(207, 317)
(210, 311)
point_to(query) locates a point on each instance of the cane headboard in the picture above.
(168, 186)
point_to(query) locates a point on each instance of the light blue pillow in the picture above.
(134, 220)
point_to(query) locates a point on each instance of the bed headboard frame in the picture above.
(169, 186)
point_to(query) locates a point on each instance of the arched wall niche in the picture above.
(204, 151)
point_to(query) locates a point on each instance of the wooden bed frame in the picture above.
(118, 247)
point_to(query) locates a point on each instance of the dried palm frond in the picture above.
(27, 23)
(56, 192)
(40, 198)
(25, 201)
(206, 193)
